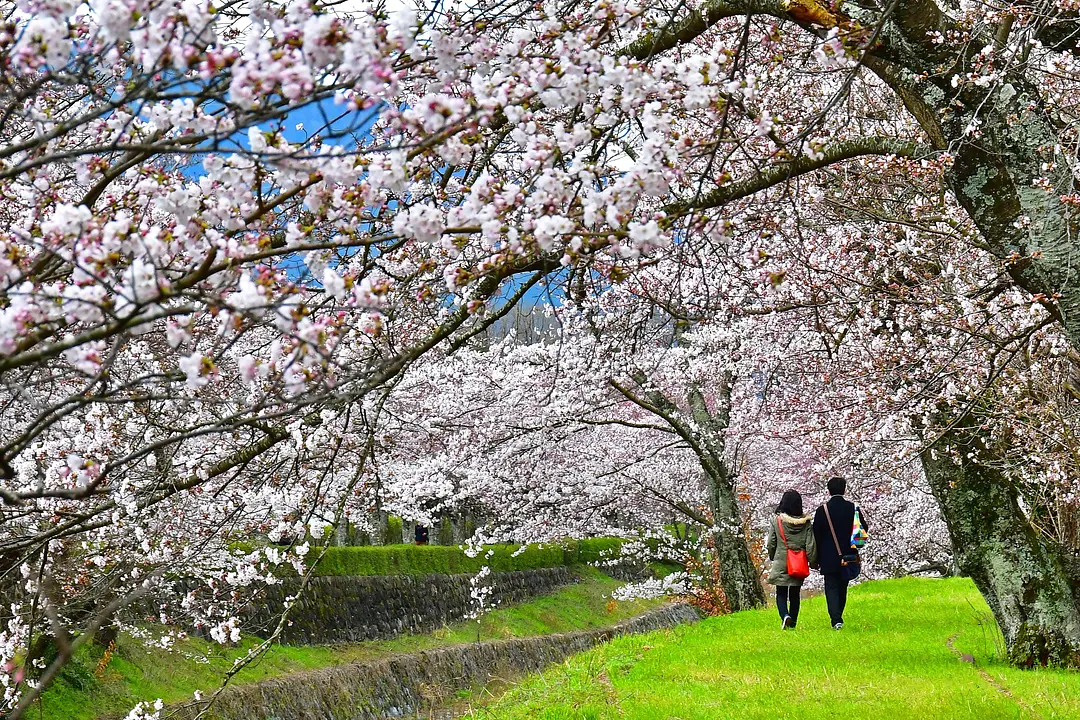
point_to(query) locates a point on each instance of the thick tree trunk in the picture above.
(997, 181)
(1024, 578)
(1071, 563)
(1011, 176)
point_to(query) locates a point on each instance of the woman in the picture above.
(798, 531)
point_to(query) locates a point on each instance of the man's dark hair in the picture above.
(837, 485)
(790, 503)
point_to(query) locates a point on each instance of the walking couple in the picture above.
(829, 544)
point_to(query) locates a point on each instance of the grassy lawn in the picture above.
(890, 661)
(92, 687)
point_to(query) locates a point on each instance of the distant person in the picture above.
(838, 559)
(421, 534)
(792, 549)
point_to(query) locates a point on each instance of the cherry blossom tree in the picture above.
(229, 231)
(172, 372)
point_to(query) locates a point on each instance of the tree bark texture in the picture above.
(1024, 577)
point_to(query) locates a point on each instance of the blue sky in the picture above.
(340, 126)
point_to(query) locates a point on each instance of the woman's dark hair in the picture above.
(790, 503)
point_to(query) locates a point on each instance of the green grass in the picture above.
(890, 661)
(135, 672)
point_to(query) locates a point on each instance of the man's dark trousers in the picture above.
(835, 596)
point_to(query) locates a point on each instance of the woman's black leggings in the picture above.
(787, 602)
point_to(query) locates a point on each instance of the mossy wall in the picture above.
(406, 685)
(353, 608)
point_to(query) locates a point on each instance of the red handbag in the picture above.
(797, 565)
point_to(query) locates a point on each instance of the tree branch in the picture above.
(783, 172)
(699, 20)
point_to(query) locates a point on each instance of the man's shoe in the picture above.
(786, 623)
(838, 626)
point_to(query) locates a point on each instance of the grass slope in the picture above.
(891, 660)
(89, 688)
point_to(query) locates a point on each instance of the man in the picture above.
(843, 517)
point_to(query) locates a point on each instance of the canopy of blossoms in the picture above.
(249, 251)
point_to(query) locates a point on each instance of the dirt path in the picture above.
(964, 657)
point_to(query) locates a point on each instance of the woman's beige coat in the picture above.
(800, 536)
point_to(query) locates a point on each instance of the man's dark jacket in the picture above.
(843, 517)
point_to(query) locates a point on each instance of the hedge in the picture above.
(581, 552)
(426, 559)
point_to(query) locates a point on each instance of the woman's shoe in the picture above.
(787, 623)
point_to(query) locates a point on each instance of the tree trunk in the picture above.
(341, 533)
(705, 433)
(446, 531)
(995, 175)
(739, 577)
(1024, 577)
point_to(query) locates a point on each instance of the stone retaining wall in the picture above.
(354, 608)
(404, 686)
